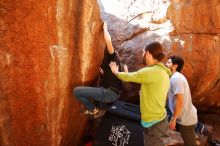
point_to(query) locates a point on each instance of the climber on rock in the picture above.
(110, 87)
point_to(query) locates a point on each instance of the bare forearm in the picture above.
(108, 41)
(178, 106)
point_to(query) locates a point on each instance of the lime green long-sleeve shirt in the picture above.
(155, 84)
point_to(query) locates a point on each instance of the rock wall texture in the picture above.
(188, 28)
(49, 47)
(46, 48)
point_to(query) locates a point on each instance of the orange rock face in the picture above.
(46, 48)
(49, 47)
(198, 24)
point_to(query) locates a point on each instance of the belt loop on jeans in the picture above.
(115, 90)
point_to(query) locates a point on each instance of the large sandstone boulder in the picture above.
(49, 47)
(186, 28)
(46, 49)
